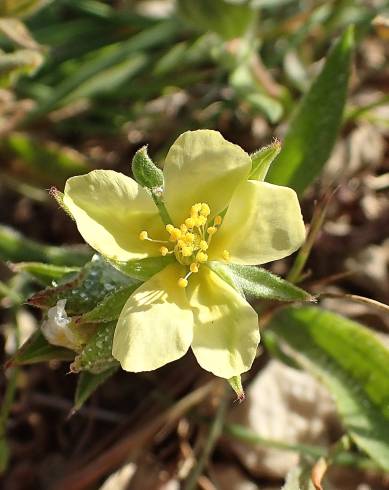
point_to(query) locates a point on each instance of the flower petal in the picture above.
(263, 223)
(111, 210)
(156, 324)
(226, 333)
(202, 166)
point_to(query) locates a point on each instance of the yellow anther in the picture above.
(203, 245)
(169, 228)
(180, 244)
(190, 223)
(187, 251)
(226, 255)
(218, 220)
(211, 230)
(194, 267)
(196, 208)
(189, 238)
(164, 251)
(175, 234)
(201, 257)
(182, 282)
(201, 220)
(143, 235)
(183, 228)
(205, 211)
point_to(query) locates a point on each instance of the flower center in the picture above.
(191, 240)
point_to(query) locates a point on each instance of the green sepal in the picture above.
(109, 309)
(96, 356)
(145, 171)
(236, 385)
(262, 159)
(143, 269)
(37, 349)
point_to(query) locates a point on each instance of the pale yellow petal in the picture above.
(155, 326)
(202, 166)
(110, 211)
(263, 223)
(226, 333)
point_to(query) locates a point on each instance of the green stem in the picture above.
(215, 431)
(316, 224)
(9, 396)
(344, 458)
(161, 208)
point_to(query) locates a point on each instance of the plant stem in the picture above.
(316, 224)
(215, 431)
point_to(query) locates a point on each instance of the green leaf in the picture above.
(96, 356)
(20, 62)
(262, 159)
(145, 268)
(145, 171)
(256, 282)
(37, 349)
(111, 306)
(229, 19)
(314, 127)
(88, 383)
(15, 248)
(84, 292)
(44, 273)
(354, 366)
(49, 162)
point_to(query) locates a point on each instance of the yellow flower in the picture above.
(216, 215)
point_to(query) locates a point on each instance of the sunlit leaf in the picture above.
(315, 124)
(352, 363)
(85, 291)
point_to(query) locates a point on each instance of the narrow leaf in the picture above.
(16, 248)
(37, 349)
(256, 282)
(354, 366)
(84, 292)
(88, 383)
(44, 273)
(313, 129)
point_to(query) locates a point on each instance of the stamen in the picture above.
(203, 245)
(201, 257)
(218, 220)
(190, 223)
(143, 235)
(164, 251)
(182, 282)
(211, 230)
(194, 267)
